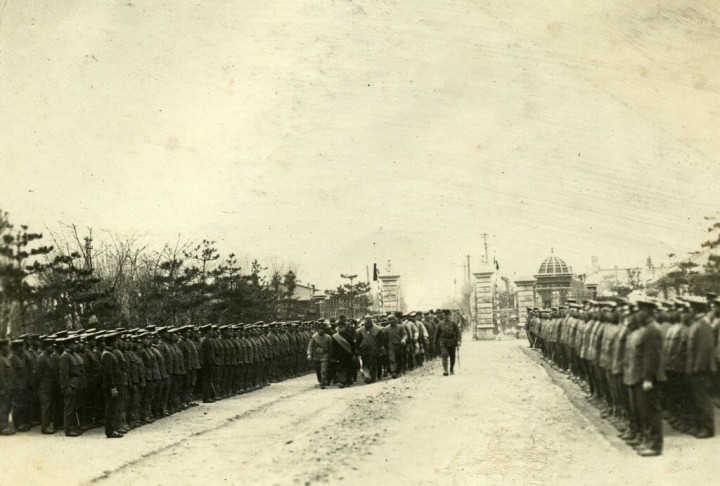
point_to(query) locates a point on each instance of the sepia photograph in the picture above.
(359, 242)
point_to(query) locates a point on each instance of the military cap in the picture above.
(646, 303)
(716, 300)
(109, 336)
(151, 327)
(711, 295)
(696, 301)
(16, 342)
(680, 303)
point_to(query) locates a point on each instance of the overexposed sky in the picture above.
(309, 130)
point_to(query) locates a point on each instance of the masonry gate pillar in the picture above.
(484, 305)
(525, 298)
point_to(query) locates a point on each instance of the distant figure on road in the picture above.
(396, 337)
(343, 354)
(318, 351)
(369, 346)
(449, 338)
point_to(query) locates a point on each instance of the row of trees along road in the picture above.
(691, 277)
(54, 282)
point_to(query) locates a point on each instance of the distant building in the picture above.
(553, 282)
(552, 285)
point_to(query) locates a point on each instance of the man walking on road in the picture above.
(449, 338)
(318, 350)
(369, 345)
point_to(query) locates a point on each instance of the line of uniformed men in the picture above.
(638, 361)
(59, 380)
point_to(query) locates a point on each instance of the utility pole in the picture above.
(485, 237)
(468, 268)
(88, 252)
(352, 293)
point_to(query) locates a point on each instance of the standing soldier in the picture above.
(714, 317)
(643, 374)
(152, 377)
(449, 338)
(70, 386)
(47, 375)
(618, 364)
(93, 394)
(111, 379)
(207, 359)
(5, 380)
(700, 368)
(675, 360)
(122, 386)
(161, 385)
(19, 386)
(193, 365)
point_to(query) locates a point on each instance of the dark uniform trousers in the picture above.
(69, 415)
(111, 413)
(207, 389)
(649, 416)
(703, 411)
(147, 399)
(46, 406)
(4, 409)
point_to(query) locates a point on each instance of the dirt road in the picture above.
(502, 419)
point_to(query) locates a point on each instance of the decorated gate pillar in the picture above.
(390, 297)
(525, 297)
(484, 305)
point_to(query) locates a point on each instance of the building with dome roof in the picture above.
(551, 286)
(553, 282)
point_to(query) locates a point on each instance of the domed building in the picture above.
(552, 282)
(551, 286)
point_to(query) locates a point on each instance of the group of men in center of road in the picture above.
(390, 344)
